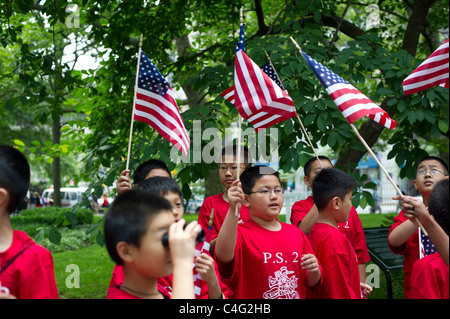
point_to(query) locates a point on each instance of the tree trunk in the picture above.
(56, 163)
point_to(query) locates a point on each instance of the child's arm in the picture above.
(204, 265)
(182, 245)
(400, 234)
(226, 241)
(414, 208)
(310, 219)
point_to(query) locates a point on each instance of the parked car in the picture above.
(70, 196)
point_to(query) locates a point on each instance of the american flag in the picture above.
(156, 105)
(204, 249)
(240, 45)
(425, 244)
(432, 72)
(351, 102)
(257, 97)
(262, 119)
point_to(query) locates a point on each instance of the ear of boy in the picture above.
(307, 181)
(125, 251)
(4, 199)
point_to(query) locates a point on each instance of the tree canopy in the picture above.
(52, 107)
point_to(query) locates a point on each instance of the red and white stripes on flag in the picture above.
(163, 115)
(432, 72)
(350, 101)
(256, 96)
(156, 105)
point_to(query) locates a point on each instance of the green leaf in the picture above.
(54, 235)
(19, 143)
(100, 239)
(443, 126)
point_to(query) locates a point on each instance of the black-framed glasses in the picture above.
(268, 192)
(433, 171)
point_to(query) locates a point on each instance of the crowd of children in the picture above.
(321, 255)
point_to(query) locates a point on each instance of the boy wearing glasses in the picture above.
(403, 236)
(264, 258)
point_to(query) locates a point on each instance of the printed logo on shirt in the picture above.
(282, 286)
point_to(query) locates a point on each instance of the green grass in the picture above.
(95, 266)
(95, 269)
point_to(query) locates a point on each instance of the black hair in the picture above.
(250, 176)
(128, 218)
(231, 150)
(161, 185)
(308, 166)
(434, 158)
(14, 175)
(142, 171)
(329, 183)
(438, 204)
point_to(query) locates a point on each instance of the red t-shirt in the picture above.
(429, 278)
(352, 228)
(266, 263)
(221, 208)
(339, 262)
(410, 250)
(166, 283)
(117, 293)
(31, 275)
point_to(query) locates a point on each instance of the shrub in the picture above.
(56, 228)
(59, 216)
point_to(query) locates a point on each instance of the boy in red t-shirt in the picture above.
(429, 275)
(227, 174)
(263, 258)
(211, 287)
(332, 193)
(304, 214)
(403, 235)
(134, 228)
(26, 268)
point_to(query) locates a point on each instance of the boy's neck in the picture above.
(142, 287)
(225, 195)
(6, 231)
(273, 225)
(328, 219)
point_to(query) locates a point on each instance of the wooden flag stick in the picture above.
(239, 154)
(298, 117)
(384, 171)
(134, 101)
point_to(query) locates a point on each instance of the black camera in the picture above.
(200, 237)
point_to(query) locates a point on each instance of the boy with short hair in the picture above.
(133, 228)
(430, 276)
(151, 168)
(403, 235)
(304, 214)
(26, 268)
(263, 258)
(220, 203)
(211, 288)
(332, 192)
